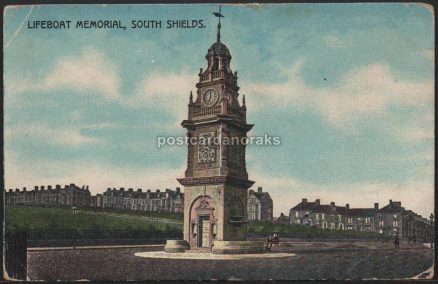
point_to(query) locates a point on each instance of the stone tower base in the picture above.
(237, 247)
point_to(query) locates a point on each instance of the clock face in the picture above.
(210, 97)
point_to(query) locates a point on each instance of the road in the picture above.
(315, 261)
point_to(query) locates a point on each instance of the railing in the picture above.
(208, 111)
(50, 238)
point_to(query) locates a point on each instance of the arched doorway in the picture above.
(202, 223)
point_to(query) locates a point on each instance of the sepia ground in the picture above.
(313, 260)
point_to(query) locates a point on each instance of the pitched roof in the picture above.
(392, 207)
(304, 206)
(361, 212)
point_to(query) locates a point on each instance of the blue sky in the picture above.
(349, 88)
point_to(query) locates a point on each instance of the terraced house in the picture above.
(70, 196)
(389, 221)
(167, 201)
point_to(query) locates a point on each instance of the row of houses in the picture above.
(69, 195)
(260, 205)
(391, 220)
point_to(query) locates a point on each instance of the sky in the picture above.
(349, 89)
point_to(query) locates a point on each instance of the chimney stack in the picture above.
(376, 206)
(42, 187)
(390, 201)
(158, 191)
(49, 187)
(58, 186)
(24, 189)
(36, 187)
(178, 189)
(259, 189)
(332, 204)
(139, 190)
(304, 201)
(318, 202)
(347, 206)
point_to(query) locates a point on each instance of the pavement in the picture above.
(312, 260)
(203, 255)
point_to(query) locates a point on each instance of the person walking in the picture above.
(396, 241)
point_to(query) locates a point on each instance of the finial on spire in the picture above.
(191, 97)
(243, 100)
(219, 15)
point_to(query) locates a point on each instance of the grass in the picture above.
(304, 231)
(57, 219)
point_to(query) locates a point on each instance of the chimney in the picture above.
(139, 190)
(42, 187)
(10, 190)
(36, 187)
(17, 190)
(251, 191)
(304, 201)
(317, 201)
(122, 189)
(281, 214)
(148, 191)
(58, 186)
(332, 204)
(72, 184)
(49, 187)
(24, 189)
(390, 201)
(158, 191)
(259, 189)
(347, 206)
(376, 206)
(167, 190)
(130, 189)
(178, 189)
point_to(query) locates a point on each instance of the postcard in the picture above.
(288, 141)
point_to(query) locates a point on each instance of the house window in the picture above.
(350, 220)
(339, 218)
(394, 223)
(317, 216)
(381, 223)
(367, 220)
(322, 216)
(296, 214)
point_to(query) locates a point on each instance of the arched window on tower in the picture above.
(215, 64)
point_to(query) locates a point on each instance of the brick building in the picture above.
(391, 220)
(67, 196)
(137, 200)
(260, 205)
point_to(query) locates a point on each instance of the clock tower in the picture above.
(216, 180)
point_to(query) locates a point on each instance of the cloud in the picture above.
(66, 136)
(89, 72)
(286, 192)
(87, 172)
(364, 92)
(167, 91)
(334, 41)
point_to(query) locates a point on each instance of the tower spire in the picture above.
(219, 15)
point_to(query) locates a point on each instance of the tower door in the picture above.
(205, 232)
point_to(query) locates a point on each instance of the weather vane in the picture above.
(219, 15)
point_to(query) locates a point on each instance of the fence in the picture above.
(317, 237)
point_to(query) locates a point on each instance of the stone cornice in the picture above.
(193, 181)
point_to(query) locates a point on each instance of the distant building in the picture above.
(67, 196)
(389, 221)
(260, 206)
(121, 199)
(282, 219)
